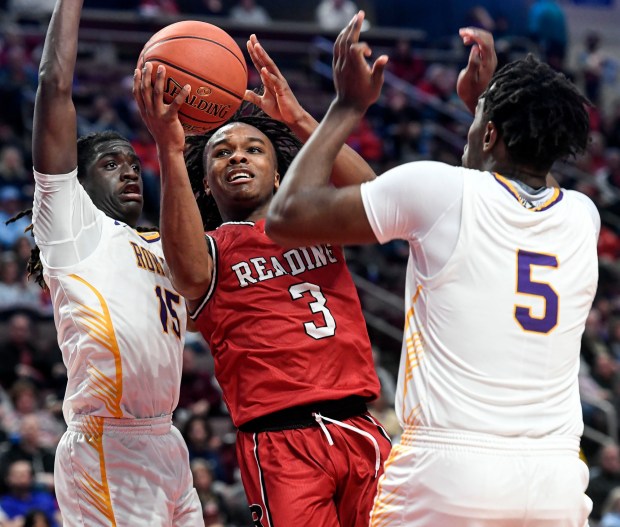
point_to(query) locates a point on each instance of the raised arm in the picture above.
(475, 77)
(279, 102)
(182, 233)
(306, 209)
(54, 147)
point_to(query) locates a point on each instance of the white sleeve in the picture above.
(67, 225)
(591, 207)
(419, 202)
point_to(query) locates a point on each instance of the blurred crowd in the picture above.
(418, 117)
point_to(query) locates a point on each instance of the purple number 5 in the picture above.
(526, 286)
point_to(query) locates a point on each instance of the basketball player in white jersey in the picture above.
(501, 276)
(120, 323)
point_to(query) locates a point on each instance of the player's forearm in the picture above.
(349, 167)
(54, 150)
(182, 230)
(293, 206)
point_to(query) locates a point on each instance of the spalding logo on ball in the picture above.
(210, 61)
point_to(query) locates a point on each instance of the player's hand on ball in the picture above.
(358, 84)
(161, 119)
(475, 77)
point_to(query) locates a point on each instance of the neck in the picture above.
(250, 214)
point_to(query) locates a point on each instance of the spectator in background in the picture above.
(547, 27)
(198, 394)
(27, 446)
(611, 510)
(214, 508)
(155, 8)
(335, 14)
(478, 16)
(22, 497)
(249, 13)
(595, 67)
(10, 204)
(26, 399)
(36, 518)
(15, 291)
(202, 443)
(202, 7)
(604, 477)
(13, 170)
(31, 8)
(405, 63)
(18, 352)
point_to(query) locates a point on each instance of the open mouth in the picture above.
(131, 192)
(235, 176)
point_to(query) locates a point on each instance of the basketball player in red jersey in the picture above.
(285, 326)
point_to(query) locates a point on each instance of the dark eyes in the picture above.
(224, 152)
(112, 165)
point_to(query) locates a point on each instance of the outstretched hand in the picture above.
(475, 77)
(161, 119)
(358, 84)
(278, 100)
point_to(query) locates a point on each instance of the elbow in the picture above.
(191, 286)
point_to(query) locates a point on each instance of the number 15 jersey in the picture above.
(120, 324)
(285, 326)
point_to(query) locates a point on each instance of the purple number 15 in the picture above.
(525, 285)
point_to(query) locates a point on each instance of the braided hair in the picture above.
(540, 114)
(285, 143)
(85, 151)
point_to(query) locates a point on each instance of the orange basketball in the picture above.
(210, 61)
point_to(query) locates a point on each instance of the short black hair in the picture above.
(86, 148)
(540, 114)
(285, 143)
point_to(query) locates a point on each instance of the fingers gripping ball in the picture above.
(210, 61)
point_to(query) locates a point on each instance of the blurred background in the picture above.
(417, 117)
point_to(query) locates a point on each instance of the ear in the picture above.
(206, 187)
(276, 183)
(491, 137)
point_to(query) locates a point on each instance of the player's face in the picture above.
(114, 182)
(473, 153)
(241, 171)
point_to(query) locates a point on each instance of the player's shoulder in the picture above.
(586, 204)
(426, 169)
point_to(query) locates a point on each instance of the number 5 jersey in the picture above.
(499, 284)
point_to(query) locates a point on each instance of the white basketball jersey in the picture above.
(120, 323)
(492, 341)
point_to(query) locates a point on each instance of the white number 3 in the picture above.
(298, 291)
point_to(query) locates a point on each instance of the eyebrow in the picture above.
(224, 140)
(111, 153)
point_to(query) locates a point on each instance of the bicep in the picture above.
(408, 201)
(321, 215)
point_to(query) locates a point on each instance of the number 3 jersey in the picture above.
(120, 323)
(499, 285)
(285, 326)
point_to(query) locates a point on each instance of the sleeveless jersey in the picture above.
(120, 324)
(492, 341)
(285, 326)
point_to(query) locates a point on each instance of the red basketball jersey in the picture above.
(285, 326)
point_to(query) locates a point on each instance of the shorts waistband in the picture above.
(304, 416)
(454, 439)
(96, 425)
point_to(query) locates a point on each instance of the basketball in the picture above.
(210, 61)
